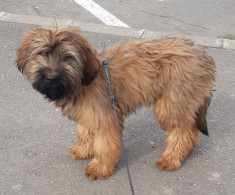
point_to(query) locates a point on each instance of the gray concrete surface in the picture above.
(34, 137)
(56, 9)
(114, 30)
(202, 17)
(211, 18)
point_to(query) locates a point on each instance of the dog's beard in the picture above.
(54, 90)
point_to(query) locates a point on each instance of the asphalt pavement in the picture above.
(34, 137)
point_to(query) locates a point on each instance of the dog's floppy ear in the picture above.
(23, 50)
(90, 70)
(88, 56)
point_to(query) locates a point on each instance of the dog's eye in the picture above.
(42, 53)
(67, 57)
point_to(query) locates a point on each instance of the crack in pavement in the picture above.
(175, 19)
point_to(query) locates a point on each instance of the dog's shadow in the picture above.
(142, 137)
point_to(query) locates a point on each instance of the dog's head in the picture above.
(57, 61)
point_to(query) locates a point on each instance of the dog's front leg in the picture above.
(107, 150)
(84, 148)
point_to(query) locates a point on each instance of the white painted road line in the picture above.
(101, 13)
(2, 13)
(113, 30)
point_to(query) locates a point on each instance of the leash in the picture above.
(113, 101)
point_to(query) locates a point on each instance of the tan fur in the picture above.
(174, 75)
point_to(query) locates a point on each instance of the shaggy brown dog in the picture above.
(174, 75)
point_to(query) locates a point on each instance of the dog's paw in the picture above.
(77, 152)
(95, 170)
(168, 163)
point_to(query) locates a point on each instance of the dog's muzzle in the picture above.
(54, 87)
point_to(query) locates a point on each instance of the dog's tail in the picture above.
(201, 117)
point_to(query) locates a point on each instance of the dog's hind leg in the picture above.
(182, 133)
(180, 142)
(84, 148)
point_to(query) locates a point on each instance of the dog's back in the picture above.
(142, 72)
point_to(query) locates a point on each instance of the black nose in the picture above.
(51, 78)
